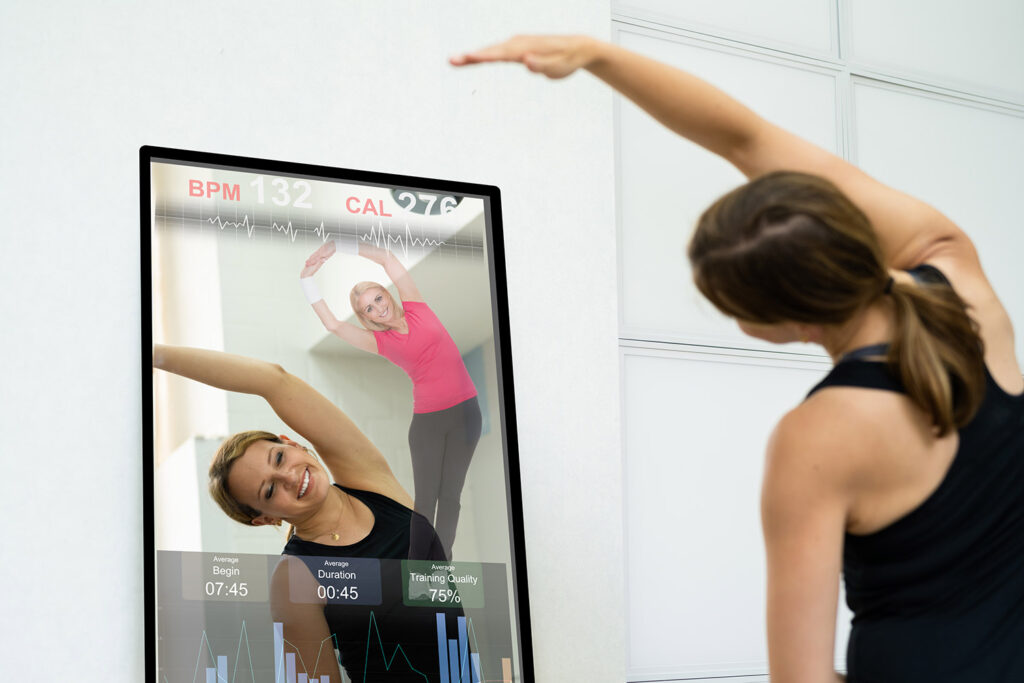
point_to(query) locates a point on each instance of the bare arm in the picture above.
(911, 232)
(407, 289)
(356, 336)
(712, 119)
(351, 458)
(803, 509)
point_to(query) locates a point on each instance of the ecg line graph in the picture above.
(398, 236)
(381, 237)
(378, 235)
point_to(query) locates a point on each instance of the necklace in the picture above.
(334, 534)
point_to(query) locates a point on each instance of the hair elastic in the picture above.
(310, 289)
(888, 286)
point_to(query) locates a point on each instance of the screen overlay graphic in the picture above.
(331, 468)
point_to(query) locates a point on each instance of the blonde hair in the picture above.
(357, 292)
(231, 450)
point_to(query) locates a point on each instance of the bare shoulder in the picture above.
(822, 447)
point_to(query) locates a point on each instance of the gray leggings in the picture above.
(442, 444)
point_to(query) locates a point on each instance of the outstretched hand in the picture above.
(318, 258)
(553, 56)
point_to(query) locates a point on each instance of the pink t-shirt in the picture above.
(430, 358)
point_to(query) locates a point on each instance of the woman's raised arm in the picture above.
(407, 290)
(351, 458)
(356, 336)
(910, 230)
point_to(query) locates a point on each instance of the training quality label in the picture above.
(429, 583)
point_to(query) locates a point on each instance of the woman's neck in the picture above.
(873, 325)
(327, 519)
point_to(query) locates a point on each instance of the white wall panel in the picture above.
(974, 46)
(666, 182)
(965, 160)
(806, 25)
(695, 428)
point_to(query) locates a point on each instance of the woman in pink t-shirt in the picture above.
(446, 420)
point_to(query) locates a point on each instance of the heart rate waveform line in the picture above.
(404, 238)
(378, 235)
(250, 227)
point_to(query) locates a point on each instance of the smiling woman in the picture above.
(259, 478)
(267, 474)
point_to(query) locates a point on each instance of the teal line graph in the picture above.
(387, 662)
(319, 651)
(242, 637)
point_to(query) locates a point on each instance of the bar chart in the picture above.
(458, 664)
(285, 668)
(458, 658)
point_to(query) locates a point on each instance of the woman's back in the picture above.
(937, 592)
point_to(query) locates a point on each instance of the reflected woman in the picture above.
(904, 468)
(446, 422)
(355, 507)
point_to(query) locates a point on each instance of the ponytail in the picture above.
(792, 247)
(937, 353)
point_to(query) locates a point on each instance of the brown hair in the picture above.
(231, 450)
(353, 298)
(790, 247)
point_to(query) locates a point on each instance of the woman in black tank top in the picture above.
(904, 470)
(260, 478)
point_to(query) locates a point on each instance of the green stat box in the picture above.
(427, 583)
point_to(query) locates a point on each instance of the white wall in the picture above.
(358, 85)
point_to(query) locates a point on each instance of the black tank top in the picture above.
(938, 595)
(397, 533)
(377, 643)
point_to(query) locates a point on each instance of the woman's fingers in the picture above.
(502, 52)
(553, 56)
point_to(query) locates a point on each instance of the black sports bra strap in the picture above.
(866, 352)
(926, 274)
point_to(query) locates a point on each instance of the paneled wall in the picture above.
(928, 99)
